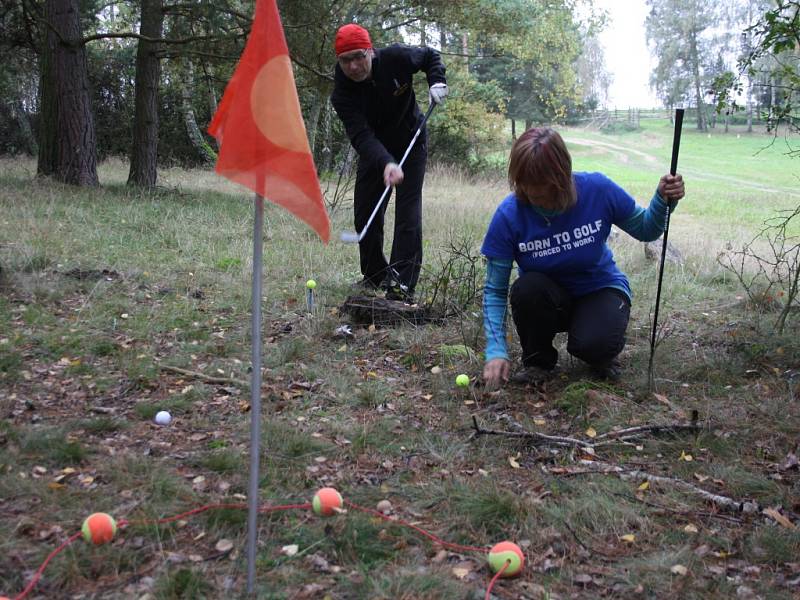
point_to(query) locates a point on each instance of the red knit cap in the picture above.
(351, 37)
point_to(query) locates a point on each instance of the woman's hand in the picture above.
(670, 188)
(495, 373)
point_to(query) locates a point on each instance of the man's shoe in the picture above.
(531, 375)
(398, 294)
(395, 289)
(611, 371)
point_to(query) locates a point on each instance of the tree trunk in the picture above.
(190, 121)
(20, 115)
(327, 153)
(144, 151)
(698, 94)
(67, 143)
(212, 94)
(750, 107)
(312, 126)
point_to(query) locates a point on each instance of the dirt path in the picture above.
(623, 153)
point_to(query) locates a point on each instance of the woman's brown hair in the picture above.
(540, 162)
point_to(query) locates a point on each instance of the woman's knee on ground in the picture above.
(595, 349)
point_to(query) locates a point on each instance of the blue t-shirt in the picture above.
(569, 247)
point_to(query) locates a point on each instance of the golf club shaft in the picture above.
(363, 232)
(676, 141)
(673, 168)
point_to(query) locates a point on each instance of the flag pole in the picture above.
(255, 395)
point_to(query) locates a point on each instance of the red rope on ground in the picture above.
(36, 576)
(263, 509)
(497, 576)
(124, 523)
(419, 530)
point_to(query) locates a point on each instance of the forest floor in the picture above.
(114, 306)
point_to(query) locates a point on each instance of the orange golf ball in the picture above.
(99, 528)
(506, 553)
(326, 501)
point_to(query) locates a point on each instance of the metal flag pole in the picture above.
(255, 395)
(673, 168)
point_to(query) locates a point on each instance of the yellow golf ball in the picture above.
(462, 380)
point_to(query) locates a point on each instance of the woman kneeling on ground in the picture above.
(554, 225)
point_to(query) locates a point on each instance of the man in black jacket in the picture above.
(374, 97)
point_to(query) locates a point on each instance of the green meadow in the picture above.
(116, 304)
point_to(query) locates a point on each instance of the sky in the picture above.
(627, 56)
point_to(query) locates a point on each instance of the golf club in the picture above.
(673, 168)
(351, 237)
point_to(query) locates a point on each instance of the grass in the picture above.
(166, 282)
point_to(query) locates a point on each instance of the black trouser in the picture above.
(596, 322)
(406, 256)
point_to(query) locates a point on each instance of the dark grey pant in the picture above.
(595, 323)
(406, 255)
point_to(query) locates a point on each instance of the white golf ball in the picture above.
(163, 417)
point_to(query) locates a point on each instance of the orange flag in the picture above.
(259, 126)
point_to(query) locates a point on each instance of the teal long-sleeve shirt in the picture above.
(644, 225)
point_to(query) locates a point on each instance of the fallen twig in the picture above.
(637, 432)
(682, 513)
(542, 438)
(605, 439)
(745, 506)
(204, 377)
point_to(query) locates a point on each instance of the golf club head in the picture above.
(349, 237)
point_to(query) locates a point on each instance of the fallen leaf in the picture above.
(779, 518)
(679, 570)
(789, 462)
(436, 370)
(290, 550)
(539, 422)
(686, 457)
(591, 432)
(690, 528)
(461, 572)
(630, 538)
(644, 486)
(512, 460)
(701, 478)
(224, 545)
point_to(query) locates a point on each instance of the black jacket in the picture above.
(381, 114)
